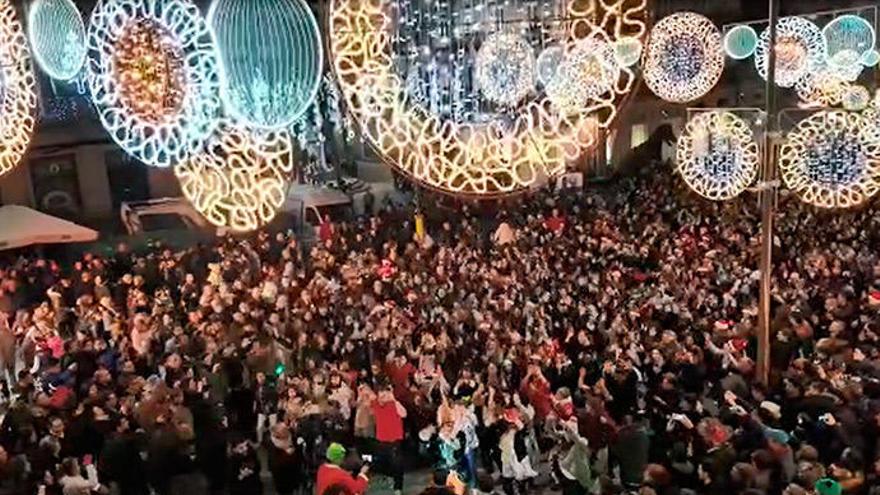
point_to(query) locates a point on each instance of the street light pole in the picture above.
(768, 205)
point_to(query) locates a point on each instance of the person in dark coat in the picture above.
(244, 469)
(285, 461)
(120, 463)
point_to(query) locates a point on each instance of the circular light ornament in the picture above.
(800, 50)
(848, 38)
(717, 155)
(856, 98)
(628, 51)
(271, 59)
(684, 58)
(832, 160)
(505, 69)
(153, 77)
(240, 179)
(870, 58)
(824, 88)
(548, 64)
(58, 38)
(588, 70)
(18, 97)
(740, 42)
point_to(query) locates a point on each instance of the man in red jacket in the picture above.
(388, 413)
(331, 474)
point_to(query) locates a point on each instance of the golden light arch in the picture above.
(18, 96)
(465, 158)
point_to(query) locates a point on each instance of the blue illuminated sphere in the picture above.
(271, 59)
(740, 42)
(58, 37)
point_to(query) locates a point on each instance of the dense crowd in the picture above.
(592, 342)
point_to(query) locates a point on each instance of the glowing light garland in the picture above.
(684, 58)
(717, 155)
(153, 77)
(58, 38)
(847, 39)
(18, 97)
(800, 51)
(464, 158)
(240, 180)
(271, 59)
(741, 42)
(832, 160)
(505, 68)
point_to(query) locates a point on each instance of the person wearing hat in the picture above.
(332, 474)
(827, 486)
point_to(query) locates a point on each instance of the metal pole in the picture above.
(768, 205)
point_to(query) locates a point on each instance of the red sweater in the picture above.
(330, 475)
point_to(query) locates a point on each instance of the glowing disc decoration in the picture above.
(825, 88)
(848, 38)
(153, 77)
(58, 37)
(800, 50)
(271, 59)
(240, 179)
(505, 69)
(717, 155)
(856, 98)
(18, 97)
(533, 142)
(548, 63)
(740, 42)
(587, 71)
(832, 160)
(684, 58)
(628, 51)
(870, 58)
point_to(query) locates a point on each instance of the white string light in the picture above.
(18, 97)
(505, 68)
(800, 51)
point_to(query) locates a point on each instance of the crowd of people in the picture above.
(596, 342)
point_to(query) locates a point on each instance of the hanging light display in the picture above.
(717, 155)
(548, 64)
(684, 58)
(505, 69)
(153, 77)
(58, 38)
(18, 97)
(271, 59)
(800, 51)
(587, 71)
(856, 98)
(832, 160)
(740, 42)
(870, 58)
(240, 179)
(627, 51)
(848, 38)
(507, 153)
(823, 88)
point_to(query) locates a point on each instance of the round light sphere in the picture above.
(870, 58)
(270, 59)
(505, 69)
(740, 42)
(153, 77)
(684, 58)
(58, 37)
(856, 98)
(847, 64)
(240, 179)
(800, 51)
(548, 64)
(717, 155)
(832, 160)
(588, 70)
(18, 97)
(847, 38)
(824, 88)
(628, 51)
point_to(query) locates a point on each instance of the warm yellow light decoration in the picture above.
(825, 88)
(17, 90)
(832, 159)
(464, 158)
(240, 180)
(148, 66)
(717, 155)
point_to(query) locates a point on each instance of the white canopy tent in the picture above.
(21, 226)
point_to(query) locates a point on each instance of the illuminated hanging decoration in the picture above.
(503, 156)
(628, 51)
(684, 58)
(587, 71)
(717, 155)
(800, 51)
(270, 55)
(505, 69)
(824, 88)
(18, 97)
(153, 77)
(871, 58)
(832, 160)
(240, 179)
(58, 38)
(740, 42)
(848, 38)
(548, 63)
(856, 98)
